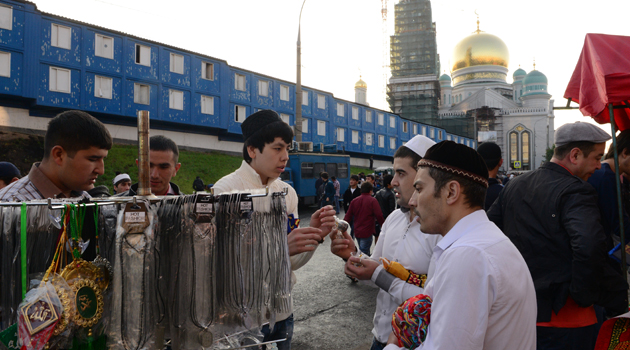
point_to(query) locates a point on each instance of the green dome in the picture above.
(445, 77)
(535, 77)
(519, 73)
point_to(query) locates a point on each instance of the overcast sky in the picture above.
(343, 39)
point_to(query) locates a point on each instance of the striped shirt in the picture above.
(36, 185)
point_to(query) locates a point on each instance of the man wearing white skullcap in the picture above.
(405, 250)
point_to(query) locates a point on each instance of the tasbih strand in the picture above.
(193, 302)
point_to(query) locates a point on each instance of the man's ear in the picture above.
(251, 150)
(177, 166)
(574, 154)
(58, 155)
(453, 192)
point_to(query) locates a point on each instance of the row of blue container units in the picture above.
(53, 63)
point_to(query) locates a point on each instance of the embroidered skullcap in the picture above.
(577, 131)
(419, 144)
(9, 170)
(257, 121)
(121, 177)
(410, 321)
(457, 159)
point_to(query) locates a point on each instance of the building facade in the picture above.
(49, 64)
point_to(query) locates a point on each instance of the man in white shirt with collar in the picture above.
(265, 155)
(483, 295)
(400, 241)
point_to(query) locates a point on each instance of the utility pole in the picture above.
(298, 84)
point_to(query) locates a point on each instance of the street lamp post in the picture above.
(298, 84)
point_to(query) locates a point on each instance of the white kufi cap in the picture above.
(419, 144)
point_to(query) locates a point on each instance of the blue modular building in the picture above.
(50, 63)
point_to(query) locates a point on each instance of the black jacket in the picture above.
(494, 188)
(348, 196)
(133, 190)
(552, 218)
(386, 200)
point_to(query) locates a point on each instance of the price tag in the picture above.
(135, 216)
(246, 205)
(204, 208)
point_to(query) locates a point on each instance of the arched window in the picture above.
(520, 147)
(525, 148)
(513, 147)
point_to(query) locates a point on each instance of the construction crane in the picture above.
(385, 51)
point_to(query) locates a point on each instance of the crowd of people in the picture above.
(522, 265)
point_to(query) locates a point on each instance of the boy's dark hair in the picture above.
(163, 143)
(585, 146)
(6, 179)
(334, 178)
(623, 143)
(76, 131)
(324, 175)
(404, 152)
(354, 177)
(474, 192)
(387, 180)
(371, 177)
(267, 135)
(366, 187)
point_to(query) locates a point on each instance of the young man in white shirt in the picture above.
(400, 240)
(482, 293)
(265, 155)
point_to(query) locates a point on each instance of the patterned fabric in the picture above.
(614, 335)
(401, 272)
(293, 223)
(19, 191)
(410, 321)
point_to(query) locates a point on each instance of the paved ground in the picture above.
(330, 311)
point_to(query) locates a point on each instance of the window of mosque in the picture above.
(513, 147)
(525, 147)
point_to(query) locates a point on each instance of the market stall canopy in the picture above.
(602, 76)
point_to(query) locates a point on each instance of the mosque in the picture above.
(518, 116)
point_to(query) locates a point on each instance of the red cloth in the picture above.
(614, 334)
(602, 76)
(571, 316)
(364, 210)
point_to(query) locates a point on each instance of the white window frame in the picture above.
(355, 113)
(448, 137)
(240, 82)
(238, 110)
(6, 17)
(392, 143)
(405, 126)
(431, 133)
(207, 105)
(263, 88)
(305, 126)
(304, 98)
(392, 121)
(321, 101)
(321, 128)
(5, 64)
(176, 99)
(355, 137)
(143, 55)
(103, 46)
(381, 141)
(340, 110)
(137, 94)
(284, 92)
(285, 118)
(341, 135)
(440, 135)
(368, 116)
(54, 84)
(103, 87)
(415, 129)
(176, 63)
(369, 139)
(381, 119)
(207, 67)
(60, 36)
(424, 130)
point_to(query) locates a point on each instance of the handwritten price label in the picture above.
(204, 208)
(137, 216)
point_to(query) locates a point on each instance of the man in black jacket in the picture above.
(351, 193)
(491, 154)
(551, 216)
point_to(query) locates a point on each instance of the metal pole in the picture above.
(144, 186)
(298, 84)
(624, 267)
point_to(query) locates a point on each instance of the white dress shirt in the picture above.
(482, 291)
(403, 242)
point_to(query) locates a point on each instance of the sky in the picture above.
(343, 39)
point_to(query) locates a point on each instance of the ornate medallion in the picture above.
(88, 303)
(39, 314)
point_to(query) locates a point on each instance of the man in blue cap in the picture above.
(9, 173)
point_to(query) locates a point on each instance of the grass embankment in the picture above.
(209, 166)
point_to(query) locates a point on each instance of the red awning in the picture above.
(602, 76)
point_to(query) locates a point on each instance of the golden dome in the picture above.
(480, 49)
(360, 84)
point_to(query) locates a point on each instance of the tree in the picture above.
(549, 153)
